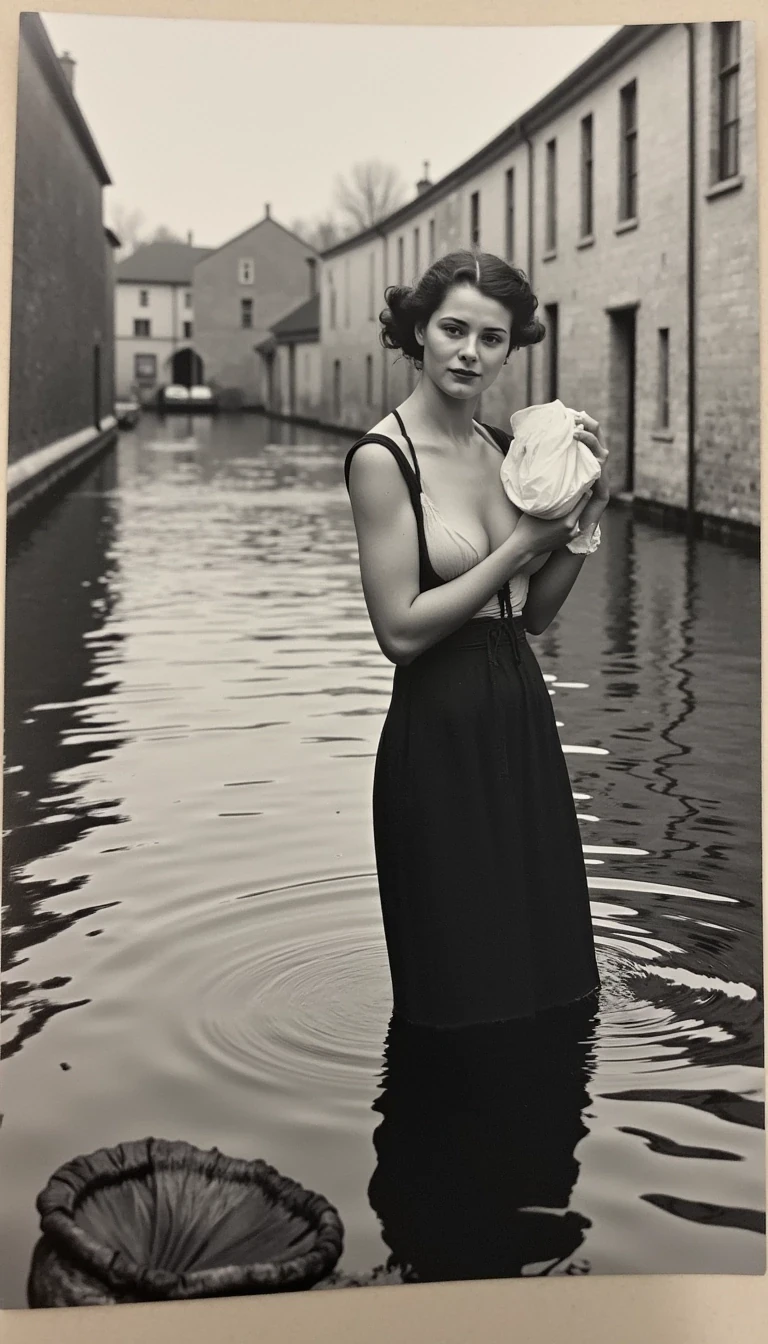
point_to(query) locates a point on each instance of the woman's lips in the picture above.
(466, 375)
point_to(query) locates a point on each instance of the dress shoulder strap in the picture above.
(428, 578)
(500, 436)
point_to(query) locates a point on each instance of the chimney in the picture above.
(68, 68)
(312, 264)
(267, 214)
(189, 237)
(424, 184)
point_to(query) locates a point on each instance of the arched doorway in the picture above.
(187, 367)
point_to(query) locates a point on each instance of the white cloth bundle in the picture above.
(546, 470)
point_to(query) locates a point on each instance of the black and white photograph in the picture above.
(382, 781)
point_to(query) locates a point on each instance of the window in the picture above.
(628, 155)
(550, 225)
(509, 214)
(416, 257)
(587, 177)
(727, 62)
(187, 330)
(142, 326)
(143, 298)
(369, 379)
(474, 219)
(551, 317)
(346, 292)
(245, 271)
(400, 261)
(145, 368)
(431, 240)
(331, 302)
(371, 286)
(662, 405)
(246, 313)
(188, 298)
(337, 389)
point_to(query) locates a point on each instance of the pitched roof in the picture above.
(33, 31)
(161, 263)
(266, 219)
(301, 321)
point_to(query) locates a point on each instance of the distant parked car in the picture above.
(193, 400)
(127, 413)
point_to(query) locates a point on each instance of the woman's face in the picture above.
(465, 342)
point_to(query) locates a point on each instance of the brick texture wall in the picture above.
(60, 287)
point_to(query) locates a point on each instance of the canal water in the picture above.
(192, 939)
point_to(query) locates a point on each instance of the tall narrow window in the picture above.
(550, 230)
(337, 389)
(187, 298)
(245, 270)
(347, 288)
(662, 407)
(143, 298)
(331, 302)
(474, 219)
(727, 65)
(369, 379)
(509, 214)
(416, 257)
(431, 240)
(628, 156)
(246, 313)
(400, 261)
(551, 321)
(187, 330)
(371, 286)
(587, 177)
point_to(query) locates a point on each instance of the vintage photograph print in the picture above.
(382, 853)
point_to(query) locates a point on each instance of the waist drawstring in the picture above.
(504, 628)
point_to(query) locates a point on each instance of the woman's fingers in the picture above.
(592, 442)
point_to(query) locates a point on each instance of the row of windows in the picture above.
(142, 326)
(552, 370)
(724, 166)
(144, 298)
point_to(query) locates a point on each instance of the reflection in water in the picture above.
(60, 664)
(194, 701)
(476, 1149)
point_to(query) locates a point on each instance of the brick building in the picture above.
(629, 196)
(154, 321)
(61, 392)
(240, 290)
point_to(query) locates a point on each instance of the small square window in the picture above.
(145, 368)
(141, 326)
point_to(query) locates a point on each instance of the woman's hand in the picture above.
(588, 432)
(540, 535)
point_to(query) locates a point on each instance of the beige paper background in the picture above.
(691, 1309)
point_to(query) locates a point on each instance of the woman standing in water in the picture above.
(480, 868)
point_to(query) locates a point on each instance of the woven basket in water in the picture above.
(158, 1219)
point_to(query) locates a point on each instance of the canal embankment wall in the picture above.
(61, 390)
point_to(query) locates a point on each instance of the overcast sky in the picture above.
(200, 122)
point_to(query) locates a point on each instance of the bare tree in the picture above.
(370, 192)
(163, 234)
(320, 233)
(129, 226)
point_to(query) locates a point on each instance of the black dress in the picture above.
(480, 868)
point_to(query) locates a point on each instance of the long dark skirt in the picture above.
(481, 874)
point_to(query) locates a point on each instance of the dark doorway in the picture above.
(187, 367)
(621, 380)
(97, 386)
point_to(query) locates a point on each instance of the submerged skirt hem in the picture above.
(555, 1006)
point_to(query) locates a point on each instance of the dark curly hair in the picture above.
(408, 308)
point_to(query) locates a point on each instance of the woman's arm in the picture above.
(548, 589)
(405, 621)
